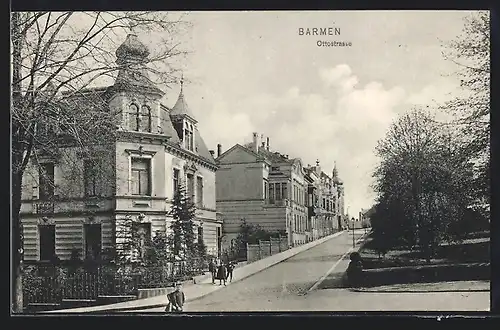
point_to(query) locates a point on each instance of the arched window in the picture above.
(145, 119)
(134, 117)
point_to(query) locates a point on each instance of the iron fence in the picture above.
(53, 284)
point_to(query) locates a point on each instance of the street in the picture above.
(287, 287)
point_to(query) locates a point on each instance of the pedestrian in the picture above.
(212, 268)
(176, 299)
(230, 268)
(221, 273)
(355, 270)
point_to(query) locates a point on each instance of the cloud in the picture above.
(341, 123)
(340, 77)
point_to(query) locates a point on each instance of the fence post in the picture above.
(248, 254)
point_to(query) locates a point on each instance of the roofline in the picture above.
(246, 149)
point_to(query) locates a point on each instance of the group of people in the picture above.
(221, 271)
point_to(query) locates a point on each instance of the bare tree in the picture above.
(471, 52)
(55, 57)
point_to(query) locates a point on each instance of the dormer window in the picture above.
(188, 136)
(134, 118)
(145, 124)
(140, 119)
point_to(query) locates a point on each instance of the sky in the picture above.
(253, 72)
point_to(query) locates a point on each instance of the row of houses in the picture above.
(276, 192)
(75, 202)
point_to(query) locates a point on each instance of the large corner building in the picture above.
(72, 206)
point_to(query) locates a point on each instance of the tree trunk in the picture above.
(17, 283)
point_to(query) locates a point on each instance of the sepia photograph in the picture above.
(168, 163)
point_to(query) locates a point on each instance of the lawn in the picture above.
(475, 249)
(468, 260)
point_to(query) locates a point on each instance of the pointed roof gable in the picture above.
(239, 147)
(181, 108)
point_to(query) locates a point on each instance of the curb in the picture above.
(416, 291)
(300, 249)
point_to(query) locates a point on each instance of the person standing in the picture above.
(230, 268)
(212, 268)
(221, 273)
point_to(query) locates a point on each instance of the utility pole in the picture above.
(353, 242)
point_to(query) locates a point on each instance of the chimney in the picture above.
(267, 143)
(212, 152)
(219, 150)
(256, 142)
(263, 144)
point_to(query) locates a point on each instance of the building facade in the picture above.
(338, 192)
(262, 187)
(76, 204)
(323, 202)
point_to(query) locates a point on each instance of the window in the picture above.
(275, 168)
(278, 191)
(92, 234)
(47, 242)
(46, 175)
(141, 235)
(271, 192)
(200, 234)
(284, 190)
(310, 200)
(141, 176)
(265, 190)
(219, 239)
(199, 191)
(188, 136)
(91, 168)
(145, 124)
(190, 186)
(134, 118)
(176, 180)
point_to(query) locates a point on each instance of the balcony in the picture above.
(43, 207)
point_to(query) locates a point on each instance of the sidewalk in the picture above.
(452, 286)
(205, 286)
